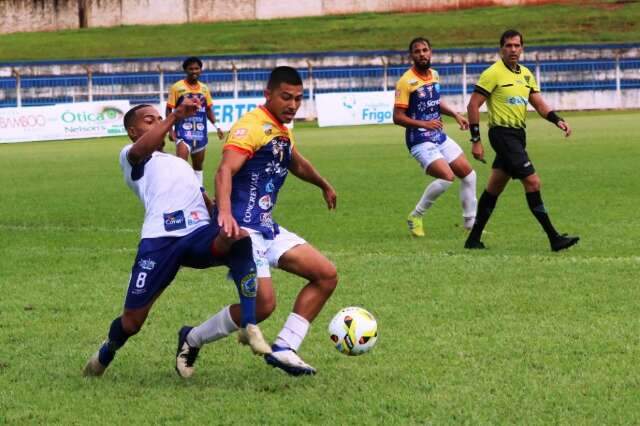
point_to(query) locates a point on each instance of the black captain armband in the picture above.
(554, 118)
(475, 133)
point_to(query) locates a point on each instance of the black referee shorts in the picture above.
(511, 154)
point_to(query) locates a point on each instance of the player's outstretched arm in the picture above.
(545, 111)
(230, 163)
(153, 139)
(212, 118)
(303, 169)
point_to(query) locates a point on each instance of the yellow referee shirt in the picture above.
(507, 94)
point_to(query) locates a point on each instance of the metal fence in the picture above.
(152, 87)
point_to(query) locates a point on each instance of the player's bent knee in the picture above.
(328, 277)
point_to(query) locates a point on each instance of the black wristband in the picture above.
(554, 118)
(475, 132)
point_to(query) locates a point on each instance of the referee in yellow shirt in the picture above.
(508, 87)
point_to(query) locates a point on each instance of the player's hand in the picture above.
(462, 122)
(432, 124)
(220, 134)
(330, 197)
(228, 225)
(477, 150)
(565, 128)
(187, 108)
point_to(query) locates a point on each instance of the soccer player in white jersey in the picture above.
(177, 231)
(259, 153)
(418, 107)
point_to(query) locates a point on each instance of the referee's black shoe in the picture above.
(564, 241)
(472, 243)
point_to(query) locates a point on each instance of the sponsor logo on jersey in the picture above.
(240, 133)
(193, 218)
(265, 202)
(187, 126)
(253, 194)
(413, 82)
(516, 100)
(174, 221)
(200, 126)
(270, 186)
(527, 78)
(267, 128)
(266, 220)
(147, 264)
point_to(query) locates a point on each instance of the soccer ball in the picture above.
(354, 331)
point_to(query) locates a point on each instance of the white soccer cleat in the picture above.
(185, 355)
(252, 336)
(288, 360)
(93, 368)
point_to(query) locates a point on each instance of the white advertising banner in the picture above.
(63, 121)
(353, 108)
(227, 111)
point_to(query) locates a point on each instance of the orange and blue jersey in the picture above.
(192, 130)
(268, 145)
(419, 95)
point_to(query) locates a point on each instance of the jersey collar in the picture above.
(275, 121)
(191, 86)
(426, 78)
(518, 70)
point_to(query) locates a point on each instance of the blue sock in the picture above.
(243, 272)
(117, 338)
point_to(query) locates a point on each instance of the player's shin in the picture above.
(534, 200)
(117, 338)
(243, 272)
(431, 193)
(485, 208)
(468, 199)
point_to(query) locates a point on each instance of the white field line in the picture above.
(482, 257)
(63, 228)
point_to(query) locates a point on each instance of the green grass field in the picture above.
(512, 334)
(587, 22)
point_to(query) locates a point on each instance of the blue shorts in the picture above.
(159, 259)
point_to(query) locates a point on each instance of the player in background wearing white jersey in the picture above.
(177, 231)
(419, 107)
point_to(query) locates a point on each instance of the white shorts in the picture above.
(266, 253)
(428, 152)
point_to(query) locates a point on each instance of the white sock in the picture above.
(293, 332)
(199, 175)
(218, 326)
(468, 199)
(433, 191)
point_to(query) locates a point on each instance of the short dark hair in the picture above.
(191, 60)
(284, 75)
(131, 114)
(510, 34)
(418, 40)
